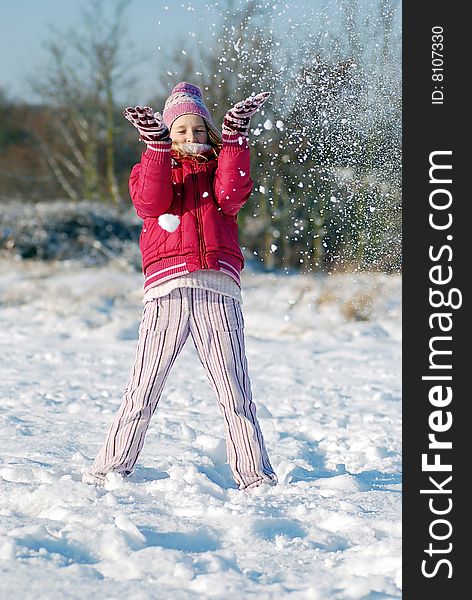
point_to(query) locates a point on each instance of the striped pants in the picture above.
(215, 323)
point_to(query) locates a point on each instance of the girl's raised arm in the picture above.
(233, 183)
(150, 181)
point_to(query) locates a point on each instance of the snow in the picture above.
(169, 222)
(324, 358)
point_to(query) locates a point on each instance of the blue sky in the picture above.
(155, 26)
(24, 24)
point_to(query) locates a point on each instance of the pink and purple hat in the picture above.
(186, 99)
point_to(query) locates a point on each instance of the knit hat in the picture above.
(186, 99)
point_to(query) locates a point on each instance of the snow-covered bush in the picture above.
(92, 233)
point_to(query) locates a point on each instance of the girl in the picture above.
(188, 188)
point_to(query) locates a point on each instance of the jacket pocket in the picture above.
(155, 315)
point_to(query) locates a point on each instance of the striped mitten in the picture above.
(237, 119)
(152, 130)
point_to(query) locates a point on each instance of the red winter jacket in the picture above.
(206, 195)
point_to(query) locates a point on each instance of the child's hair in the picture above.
(213, 137)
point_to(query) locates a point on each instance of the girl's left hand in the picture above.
(238, 118)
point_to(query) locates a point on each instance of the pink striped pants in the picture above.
(216, 325)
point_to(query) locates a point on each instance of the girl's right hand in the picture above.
(151, 128)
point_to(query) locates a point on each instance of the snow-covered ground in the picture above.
(325, 362)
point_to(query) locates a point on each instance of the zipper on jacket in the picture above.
(201, 241)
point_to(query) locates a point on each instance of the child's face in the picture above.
(189, 129)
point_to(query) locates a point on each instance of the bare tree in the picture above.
(87, 66)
